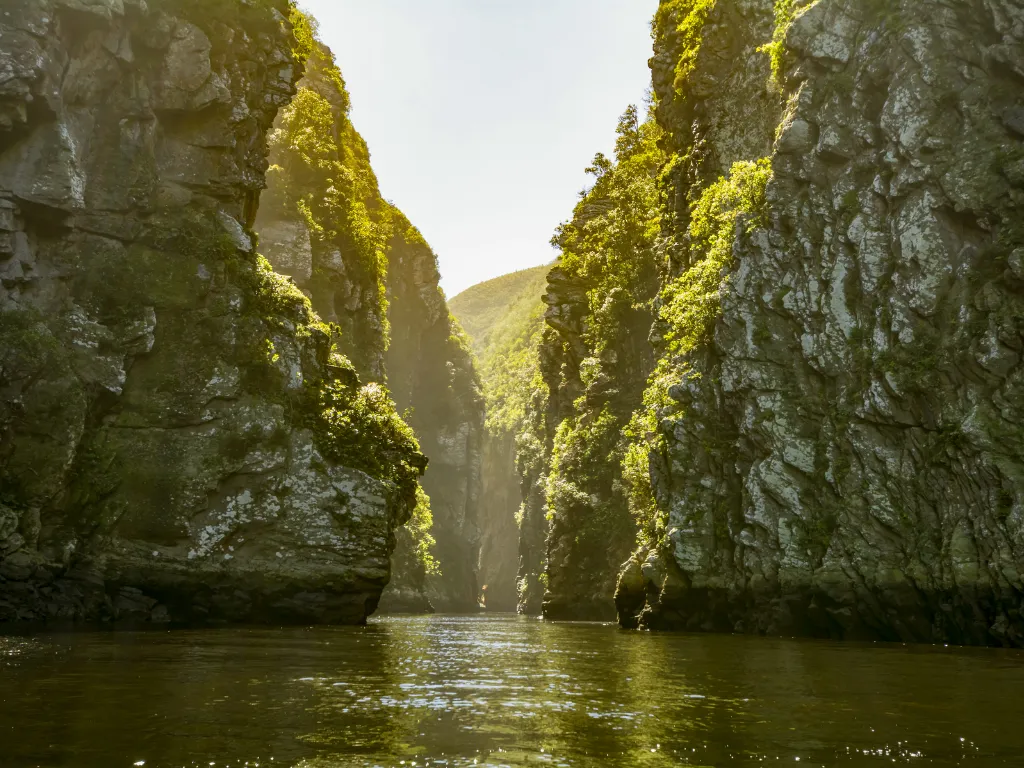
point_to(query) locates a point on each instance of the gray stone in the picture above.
(139, 458)
(871, 487)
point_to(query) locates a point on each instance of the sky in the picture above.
(481, 115)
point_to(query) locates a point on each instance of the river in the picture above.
(497, 691)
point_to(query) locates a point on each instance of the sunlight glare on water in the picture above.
(498, 691)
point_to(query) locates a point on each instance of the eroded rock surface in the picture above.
(844, 456)
(165, 448)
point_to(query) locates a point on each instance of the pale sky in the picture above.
(482, 114)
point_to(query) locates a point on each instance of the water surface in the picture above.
(496, 691)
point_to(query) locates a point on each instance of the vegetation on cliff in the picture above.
(320, 174)
(369, 272)
(688, 305)
(592, 359)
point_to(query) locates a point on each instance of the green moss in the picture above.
(687, 19)
(359, 427)
(643, 439)
(692, 301)
(785, 13)
(28, 347)
(689, 305)
(96, 473)
(915, 366)
(320, 173)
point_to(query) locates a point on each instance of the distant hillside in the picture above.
(487, 308)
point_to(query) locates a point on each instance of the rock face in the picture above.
(840, 453)
(177, 439)
(370, 272)
(593, 360)
(432, 373)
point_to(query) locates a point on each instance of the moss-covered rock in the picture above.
(829, 438)
(180, 438)
(369, 272)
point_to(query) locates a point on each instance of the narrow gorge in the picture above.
(771, 382)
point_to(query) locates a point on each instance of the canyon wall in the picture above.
(834, 425)
(180, 439)
(593, 358)
(369, 272)
(431, 371)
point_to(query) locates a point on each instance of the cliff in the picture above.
(593, 359)
(503, 317)
(368, 271)
(432, 372)
(834, 425)
(180, 439)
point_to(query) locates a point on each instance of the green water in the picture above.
(499, 691)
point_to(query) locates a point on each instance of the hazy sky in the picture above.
(482, 114)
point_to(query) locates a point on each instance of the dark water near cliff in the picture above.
(499, 691)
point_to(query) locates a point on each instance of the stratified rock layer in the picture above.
(158, 456)
(846, 456)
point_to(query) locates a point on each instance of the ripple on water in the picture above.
(495, 692)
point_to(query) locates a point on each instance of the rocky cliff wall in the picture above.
(836, 432)
(593, 361)
(432, 373)
(370, 272)
(178, 438)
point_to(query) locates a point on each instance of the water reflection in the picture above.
(499, 691)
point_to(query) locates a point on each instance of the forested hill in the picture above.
(488, 311)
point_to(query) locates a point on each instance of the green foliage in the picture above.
(305, 30)
(785, 12)
(277, 300)
(359, 427)
(320, 173)
(584, 448)
(642, 440)
(687, 19)
(609, 250)
(420, 526)
(608, 245)
(690, 303)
